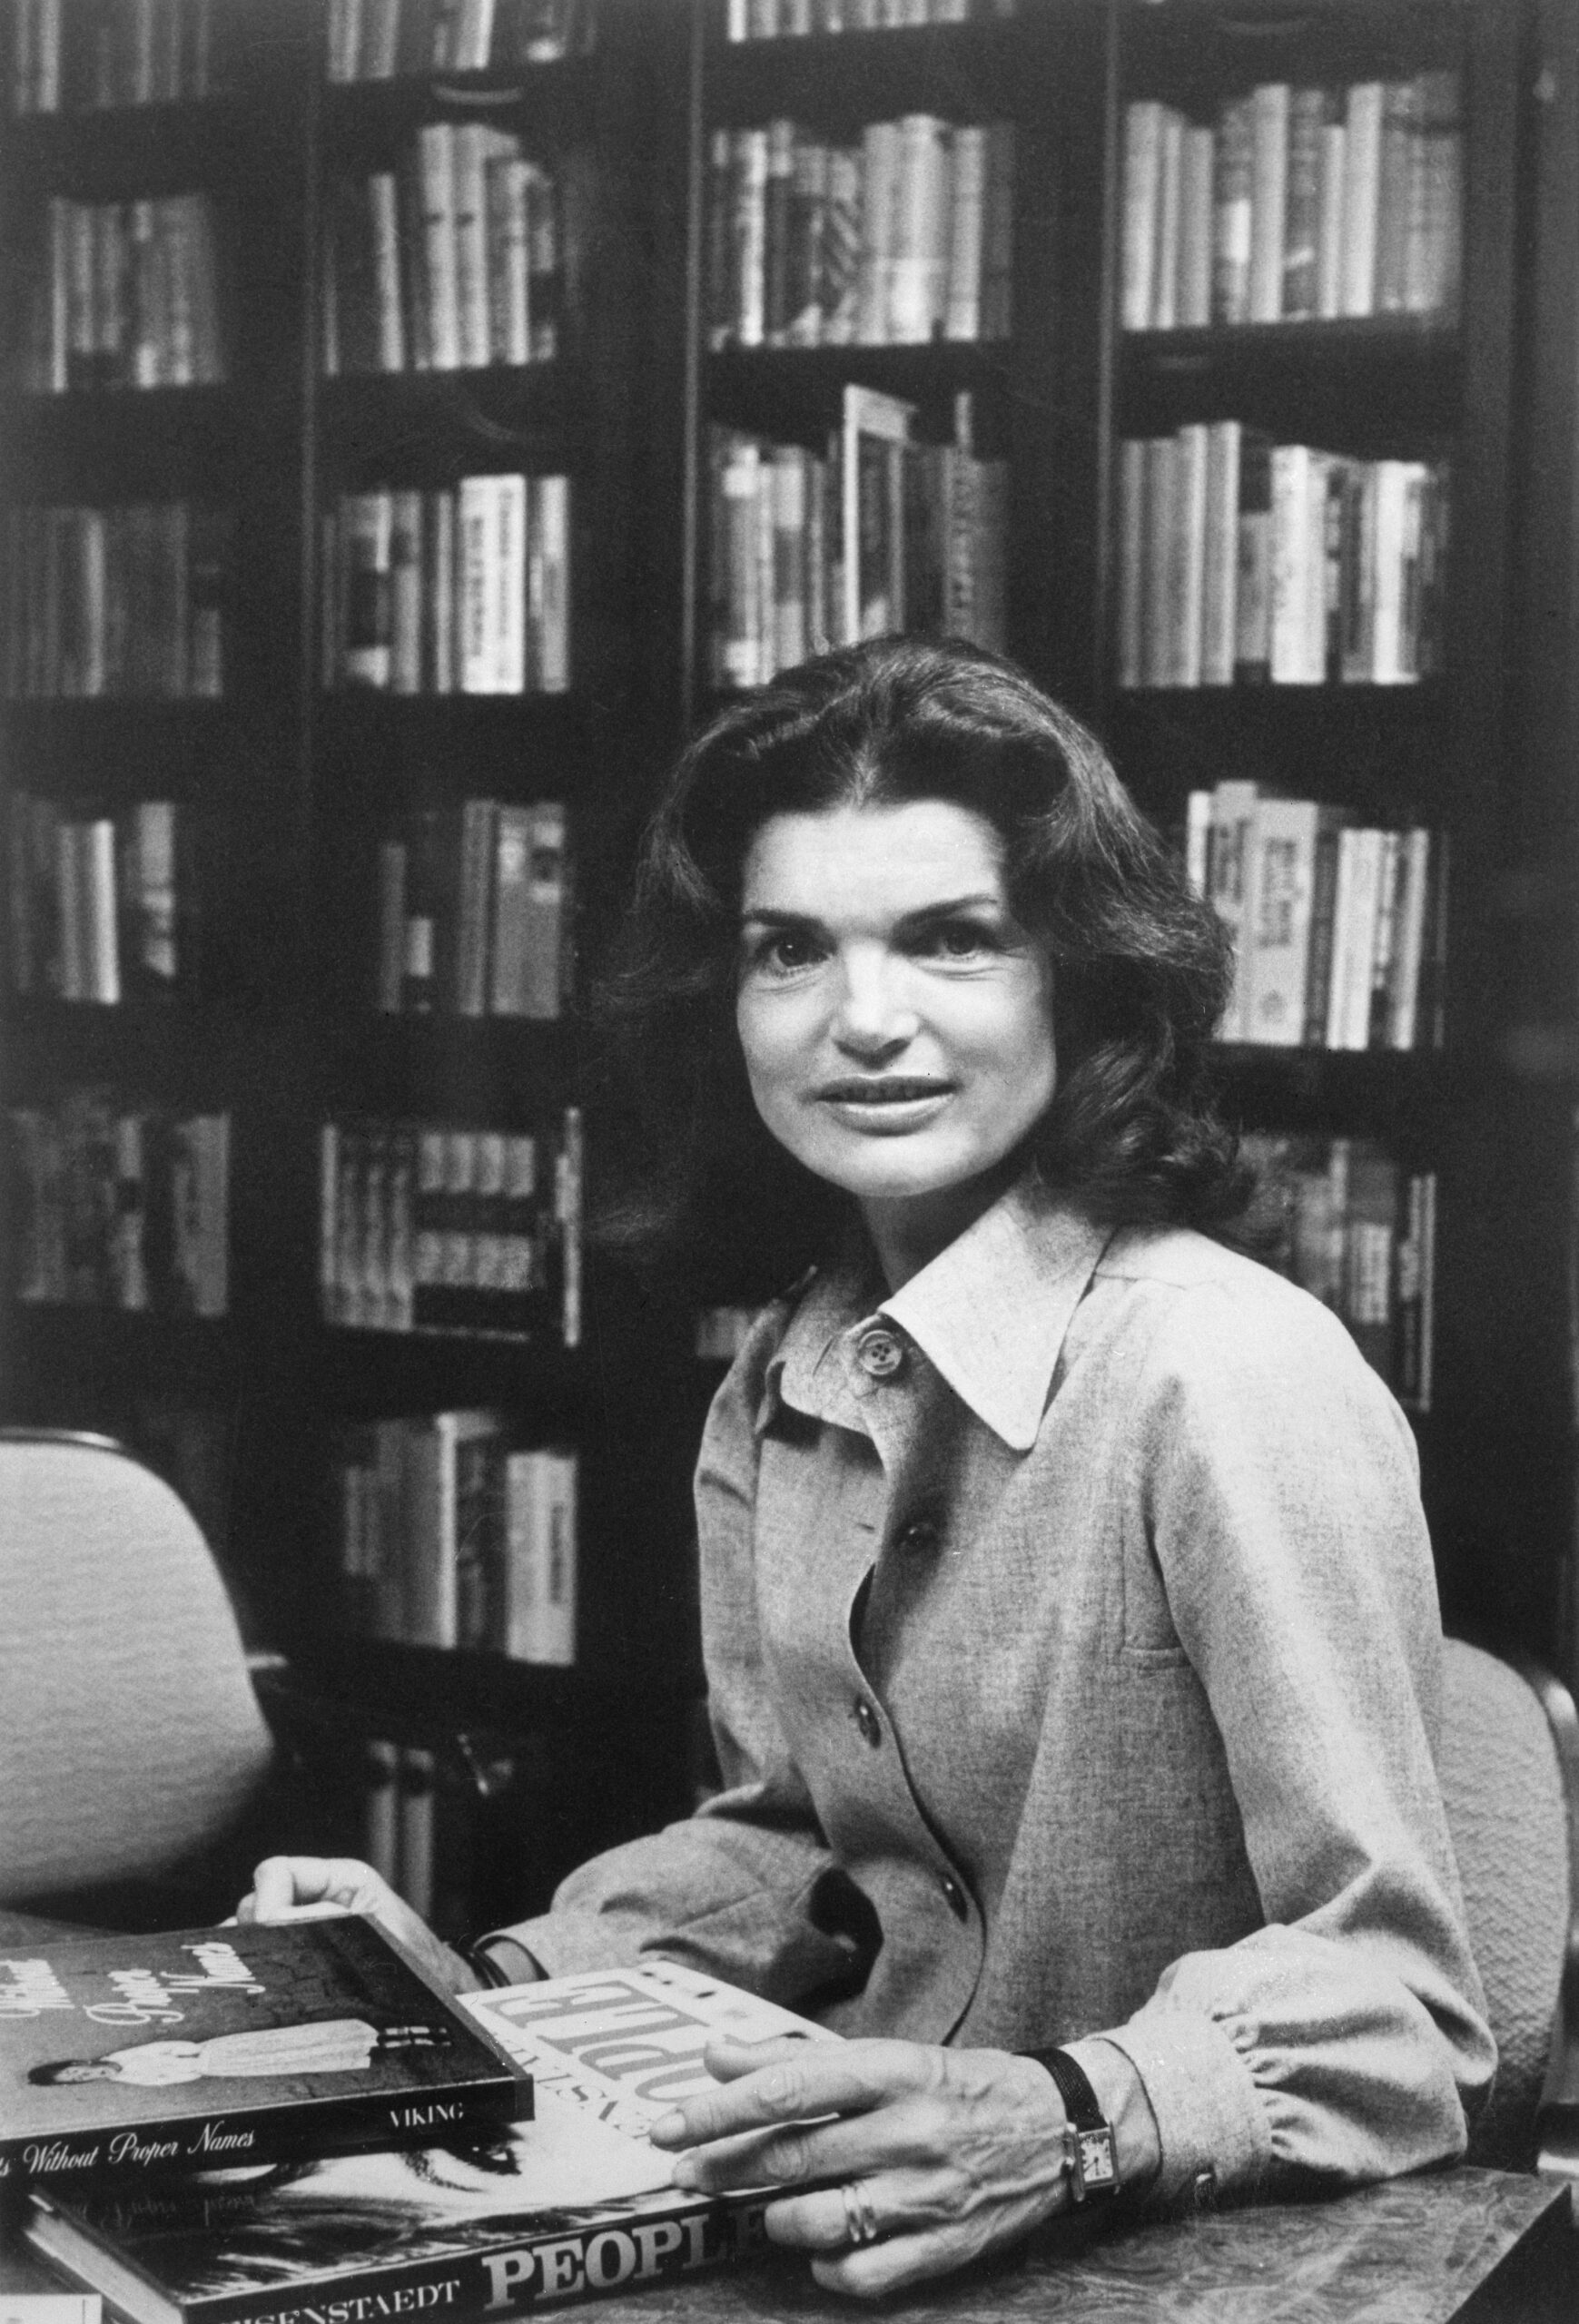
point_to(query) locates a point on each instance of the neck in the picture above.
(909, 1231)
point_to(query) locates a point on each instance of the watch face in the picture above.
(1096, 2166)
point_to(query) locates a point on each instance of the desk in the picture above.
(1483, 2247)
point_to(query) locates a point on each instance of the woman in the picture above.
(1069, 1614)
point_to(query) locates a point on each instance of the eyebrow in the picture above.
(772, 916)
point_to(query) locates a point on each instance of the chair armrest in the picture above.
(1557, 2116)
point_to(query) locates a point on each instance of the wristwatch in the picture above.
(1093, 2166)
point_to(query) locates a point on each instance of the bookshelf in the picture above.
(1408, 364)
(288, 781)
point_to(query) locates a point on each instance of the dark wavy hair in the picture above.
(1141, 965)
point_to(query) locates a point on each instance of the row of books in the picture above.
(124, 294)
(1294, 204)
(880, 534)
(112, 601)
(463, 590)
(121, 1207)
(399, 1815)
(77, 55)
(473, 911)
(1340, 930)
(906, 237)
(1351, 1225)
(787, 19)
(448, 1535)
(375, 40)
(1242, 561)
(99, 905)
(449, 261)
(440, 1227)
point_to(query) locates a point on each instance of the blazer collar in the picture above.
(991, 1312)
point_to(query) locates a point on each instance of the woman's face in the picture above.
(896, 1019)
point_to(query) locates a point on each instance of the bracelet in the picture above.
(491, 1971)
(1088, 2154)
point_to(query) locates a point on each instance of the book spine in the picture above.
(1268, 199)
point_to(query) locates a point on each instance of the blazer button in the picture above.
(954, 1895)
(879, 1354)
(867, 1721)
(920, 1534)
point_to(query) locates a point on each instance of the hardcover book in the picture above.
(149, 2055)
(572, 2204)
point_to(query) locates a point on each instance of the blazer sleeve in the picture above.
(1346, 2039)
(746, 1888)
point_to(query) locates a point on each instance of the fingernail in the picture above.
(687, 2173)
(668, 2128)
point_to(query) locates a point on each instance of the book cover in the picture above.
(148, 2055)
(561, 2208)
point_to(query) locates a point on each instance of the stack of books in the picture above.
(881, 532)
(1339, 931)
(100, 904)
(473, 911)
(439, 1227)
(115, 601)
(1294, 204)
(906, 237)
(1244, 562)
(451, 260)
(448, 1535)
(119, 1207)
(125, 294)
(567, 2200)
(461, 590)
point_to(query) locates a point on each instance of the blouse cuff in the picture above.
(1209, 2114)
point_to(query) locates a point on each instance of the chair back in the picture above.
(1501, 1763)
(129, 1733)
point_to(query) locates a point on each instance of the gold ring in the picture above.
(860, 2224)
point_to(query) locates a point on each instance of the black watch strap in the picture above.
(1094, 2164)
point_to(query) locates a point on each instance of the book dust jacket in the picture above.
(140, 2056)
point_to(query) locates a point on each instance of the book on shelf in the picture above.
(447, 1535)
(66, 58)
(1293, 204)
(121, 601)
(439, 1226)
(375, 40)
(903, 237)
(574, 2203)
(1338, 928)
(1351, 1225)
(1243, 561)
(123, 294)
(100, 903)
(811, 549)
(463, 589)
(141, 2057)
(789, 19)
(452, 259)
(120, 1207)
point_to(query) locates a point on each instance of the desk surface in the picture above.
(1487, 2247)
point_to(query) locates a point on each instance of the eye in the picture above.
(784, 952)
(956, 940)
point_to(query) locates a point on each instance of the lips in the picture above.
(893, 1090)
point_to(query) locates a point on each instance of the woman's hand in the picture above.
(282, 1884)
(944, 2154)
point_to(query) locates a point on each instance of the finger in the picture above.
(282, 1883)
(816, 2222)
(791, 2080)
(874, 2269)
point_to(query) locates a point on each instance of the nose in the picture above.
(875, 1016)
